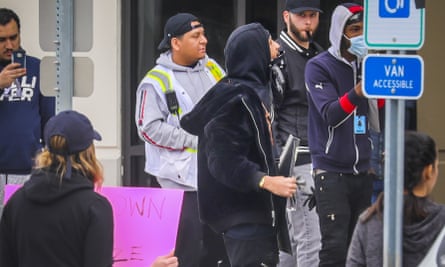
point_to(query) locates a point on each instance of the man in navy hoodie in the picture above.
(338, 129)
(23, 109)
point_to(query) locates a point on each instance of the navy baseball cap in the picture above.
(297, 6)
(75, 127)
(177, 25)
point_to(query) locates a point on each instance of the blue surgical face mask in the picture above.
(358, 47)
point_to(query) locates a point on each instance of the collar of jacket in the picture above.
(290, 42)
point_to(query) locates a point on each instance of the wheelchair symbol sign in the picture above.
(393, 24)
(394, 8)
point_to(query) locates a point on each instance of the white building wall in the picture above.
(103, 107)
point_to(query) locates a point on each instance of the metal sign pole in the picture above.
(396, 79)
(64, 59)
(393, 187)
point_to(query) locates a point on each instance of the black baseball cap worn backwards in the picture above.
(177, 25)
(298, 6)
(75, 127)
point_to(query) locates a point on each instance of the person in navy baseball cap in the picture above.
(176, 26)
(297, 6)
(59, 217)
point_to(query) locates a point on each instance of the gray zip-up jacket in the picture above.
(169, 150)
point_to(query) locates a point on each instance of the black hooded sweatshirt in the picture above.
(49, 222)
(235, 143)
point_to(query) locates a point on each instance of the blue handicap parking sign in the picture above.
(394, 8)
(395, 76)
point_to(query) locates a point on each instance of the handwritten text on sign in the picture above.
(145, 222)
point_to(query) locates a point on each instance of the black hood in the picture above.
(220, 97)
(247, 56)
(46, 187)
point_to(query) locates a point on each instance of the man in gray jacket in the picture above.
(182, 75)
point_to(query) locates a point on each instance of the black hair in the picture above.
(6, 15)
(420, 152)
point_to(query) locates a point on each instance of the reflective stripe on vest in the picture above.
(191, 150)
(214, 70)
(164, 79)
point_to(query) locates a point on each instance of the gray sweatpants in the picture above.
(304, 230)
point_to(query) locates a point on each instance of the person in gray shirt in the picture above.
(423, 219)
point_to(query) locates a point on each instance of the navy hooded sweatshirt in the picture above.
(333, 106)
(23, 114)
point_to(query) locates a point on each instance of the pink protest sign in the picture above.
(145, 222)
(9, 190)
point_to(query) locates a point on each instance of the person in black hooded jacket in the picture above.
(239, 193)
(56, 218)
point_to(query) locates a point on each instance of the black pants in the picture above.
(196, 244)
(251, 245)
(340, 200)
